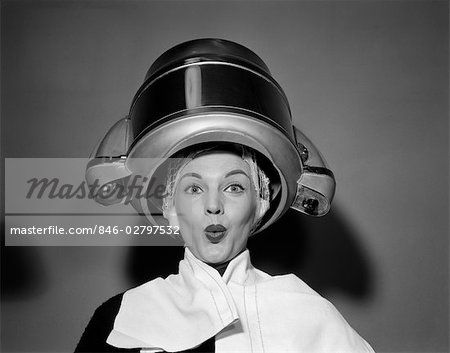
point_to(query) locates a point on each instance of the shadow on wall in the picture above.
(22, 271)
(324, 252)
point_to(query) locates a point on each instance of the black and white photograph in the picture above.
(225, 176)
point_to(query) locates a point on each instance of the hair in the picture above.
(259, 179)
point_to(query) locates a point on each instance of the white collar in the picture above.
(195, 303)
(239, 270)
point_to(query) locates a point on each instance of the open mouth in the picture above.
(215, 232)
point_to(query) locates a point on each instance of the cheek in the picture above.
(243, 212)
(189, 215)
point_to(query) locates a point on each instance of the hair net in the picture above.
(259, 179)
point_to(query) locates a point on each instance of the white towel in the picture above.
(246, 309)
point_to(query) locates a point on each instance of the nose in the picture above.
(213, 204)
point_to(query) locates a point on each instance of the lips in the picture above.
(215, 228)
(215, 232)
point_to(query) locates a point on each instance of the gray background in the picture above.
(367, 82)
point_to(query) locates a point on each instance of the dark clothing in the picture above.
(102, 322)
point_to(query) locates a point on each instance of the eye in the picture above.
(193, 189)
(235, 188)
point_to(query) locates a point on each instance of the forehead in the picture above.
(216, 164)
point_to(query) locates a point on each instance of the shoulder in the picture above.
(111, 306)
(297, 294)
(105, 314)
(100, 325)
(291, 295)
(284, 283)
(306, 311)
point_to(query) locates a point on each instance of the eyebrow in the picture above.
(195, 175)
(236, 171)
(233, 172)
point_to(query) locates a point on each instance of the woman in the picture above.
(236, 166)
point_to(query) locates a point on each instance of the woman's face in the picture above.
(214, 205)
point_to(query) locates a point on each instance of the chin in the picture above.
(215, 255)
